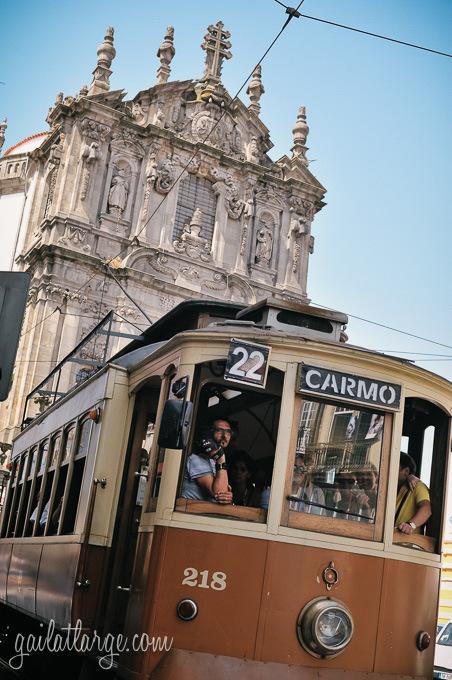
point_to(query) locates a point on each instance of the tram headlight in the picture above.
(187, 610)
(324, 627)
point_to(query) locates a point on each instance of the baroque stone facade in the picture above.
(174, 189)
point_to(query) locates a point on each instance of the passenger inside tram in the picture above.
(413, 507)
(205, 474)
(311, 497)
(242, 478)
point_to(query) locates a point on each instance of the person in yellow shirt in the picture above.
(413, 506)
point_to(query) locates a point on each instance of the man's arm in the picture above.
(423, 512)
(217, 485)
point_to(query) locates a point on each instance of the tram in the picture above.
(97, 528)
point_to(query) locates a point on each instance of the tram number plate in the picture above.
(204, 579)
(247, 363)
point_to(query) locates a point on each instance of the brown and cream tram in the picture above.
(95, 526)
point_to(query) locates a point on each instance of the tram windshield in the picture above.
(336, 463)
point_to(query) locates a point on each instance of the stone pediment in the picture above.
(295, 169)
(111, 98)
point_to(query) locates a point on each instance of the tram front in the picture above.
(301, 564)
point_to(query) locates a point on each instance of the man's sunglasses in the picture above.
(223, 430)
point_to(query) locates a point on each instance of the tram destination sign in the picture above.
(247, 363)
(347, 386)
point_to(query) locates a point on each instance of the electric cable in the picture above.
(373, 35)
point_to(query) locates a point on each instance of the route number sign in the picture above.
(247, 363)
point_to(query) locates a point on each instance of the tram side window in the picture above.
(244, 421)
(58, 475)
(336, 463)
(73, 478)
(424, 439)
(13, 498)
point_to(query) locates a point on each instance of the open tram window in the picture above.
(246, 421)
(334, 476)
(424, 439)
(73, 478)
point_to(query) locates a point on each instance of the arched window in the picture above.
(195, 192)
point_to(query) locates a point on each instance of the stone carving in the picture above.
(105, 55)
(264, 244)
(151, 176)
(190, 242)
(125, 138)
(159, 262)
(311, 244)
(189, 273)
(137, 113)
(216, 46)
(296, 255)
(130, 312)
(167, 303)
(166, 53)
(93, 130)
(253, 154)
(58, 294)
(118, 194)
(166, 174)
(248, 214)
(159, 116)
(53, 163)
(300, 134)
(75, 237)
(3, 127)
(271, 194)
(220, 282)
(90, 154)
(255, 90)
(225, 186)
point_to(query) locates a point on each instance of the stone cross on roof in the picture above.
(216, 45)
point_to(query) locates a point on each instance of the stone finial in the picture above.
(3, 127)
(105, 55)
(83, 91)
(216, 46)
(165, 53)
(300, 134)
(255, 90)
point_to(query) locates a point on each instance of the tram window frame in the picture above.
(15, 477)
(157, 453)
(335, 525)
(418, 416)
(55, 467)
(211, 373)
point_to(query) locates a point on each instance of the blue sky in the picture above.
(380, 135)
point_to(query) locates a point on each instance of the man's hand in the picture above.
(405, 528)
(223, 497)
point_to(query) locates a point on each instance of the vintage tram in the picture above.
(96, 527)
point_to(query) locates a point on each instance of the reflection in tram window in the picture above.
(337, 462)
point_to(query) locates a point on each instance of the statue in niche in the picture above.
(264, 245)
(119, 191)
(159, 115)
(253, 153)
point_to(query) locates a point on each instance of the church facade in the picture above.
(153, 200)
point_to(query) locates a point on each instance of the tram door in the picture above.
(130, 505)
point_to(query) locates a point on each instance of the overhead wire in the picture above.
(370, 33)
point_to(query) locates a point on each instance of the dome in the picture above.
(26, 145)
